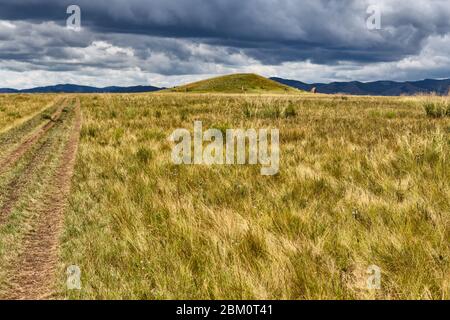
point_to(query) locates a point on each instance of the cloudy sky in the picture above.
(168, 42)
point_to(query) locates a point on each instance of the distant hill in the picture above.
(73, 88)
(235, 83)
(376, 88)
(252, 83)
(8, 90)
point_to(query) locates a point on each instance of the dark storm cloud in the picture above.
(270, 31)
(189, 37)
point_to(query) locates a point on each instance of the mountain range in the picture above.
(376, 88)
(73, 88)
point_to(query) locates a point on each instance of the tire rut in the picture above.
(33, 274)
(15, 155)
(16, 187)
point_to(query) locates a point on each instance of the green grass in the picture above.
(363, 181)
(437, 109)
(235, 83)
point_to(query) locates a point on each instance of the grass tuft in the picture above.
(437, 109)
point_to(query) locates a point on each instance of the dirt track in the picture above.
(25, 146)
(32, 275)
(15, 188)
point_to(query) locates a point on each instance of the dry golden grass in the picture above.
(363, 181)
(17, 108)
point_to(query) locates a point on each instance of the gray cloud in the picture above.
(190, 37)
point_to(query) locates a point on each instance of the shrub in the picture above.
(437, 109)
(290, 111)
(144, 155)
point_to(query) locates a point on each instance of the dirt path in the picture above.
(16, 187)
(28, 144)
(33, 276)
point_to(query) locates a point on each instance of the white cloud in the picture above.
(7, 25)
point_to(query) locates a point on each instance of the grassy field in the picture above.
(15, 109)
(362, 181)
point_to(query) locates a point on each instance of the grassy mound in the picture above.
(236, 83)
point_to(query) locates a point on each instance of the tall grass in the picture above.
(363, 181)
(437, 109)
